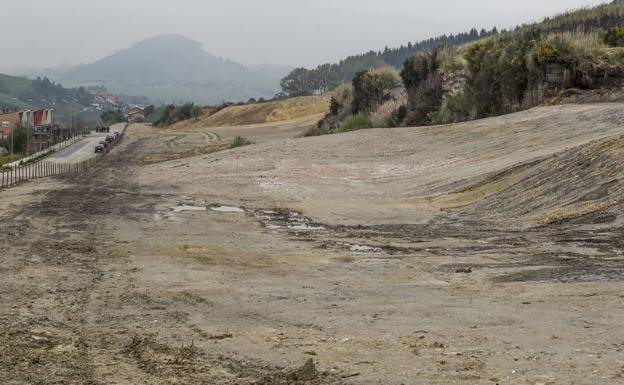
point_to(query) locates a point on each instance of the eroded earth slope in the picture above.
(479, 253)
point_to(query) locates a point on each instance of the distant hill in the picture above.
(174, 68)
(272, 71)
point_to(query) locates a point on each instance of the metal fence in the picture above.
(42, 169)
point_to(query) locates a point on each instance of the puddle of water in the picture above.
(365, 249)
(305, 226)
(181, 208)
(227, 209)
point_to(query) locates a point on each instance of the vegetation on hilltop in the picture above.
(585, 20)
(302, 82)
(326, 77)
(498, 75)
(172, 114)
(368, 101)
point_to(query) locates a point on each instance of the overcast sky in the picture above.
(45, 33)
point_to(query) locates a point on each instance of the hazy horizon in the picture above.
(279, 32)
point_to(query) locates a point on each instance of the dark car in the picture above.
(110, 138)
(99, 148)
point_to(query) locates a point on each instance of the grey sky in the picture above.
(43, 33)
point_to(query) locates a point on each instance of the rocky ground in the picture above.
(488, 252)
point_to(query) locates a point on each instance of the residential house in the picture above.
(9, 119)
(42, 132)
(136, 113)
(104, 100)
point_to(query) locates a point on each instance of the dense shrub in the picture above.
(545, 52)
(149, 110)
(499, 73)
(614, 37)
(112, 117)
(389, 114)
(17, 140)
(423, 82)
(372, 88)
(173, 114)
(239, 141)
(355, 122)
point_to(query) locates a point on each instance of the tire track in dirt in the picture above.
(74, 313)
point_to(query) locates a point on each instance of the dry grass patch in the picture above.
(269, 112)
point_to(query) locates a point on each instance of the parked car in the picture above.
(99, 148)
(104, 143)
(110, 138)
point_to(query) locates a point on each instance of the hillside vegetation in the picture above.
(42, 93)
(500, 74)
(302, 81)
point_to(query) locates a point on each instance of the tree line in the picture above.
(44, 87)
(302, 81)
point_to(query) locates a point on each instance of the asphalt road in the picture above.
(80, 151)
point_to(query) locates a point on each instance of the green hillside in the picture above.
(41, 93)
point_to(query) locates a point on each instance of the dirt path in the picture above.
(237, 267)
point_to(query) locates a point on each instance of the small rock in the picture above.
(305, 373)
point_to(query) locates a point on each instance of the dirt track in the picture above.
(482, 253)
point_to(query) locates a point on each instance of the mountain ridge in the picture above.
(175, 68)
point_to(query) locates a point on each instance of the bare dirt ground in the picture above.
(489, 252)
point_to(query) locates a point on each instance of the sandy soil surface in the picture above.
(488, 252)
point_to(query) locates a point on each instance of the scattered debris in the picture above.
(222, 336)
(227, 209)
(365, 249)
(181, 208)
